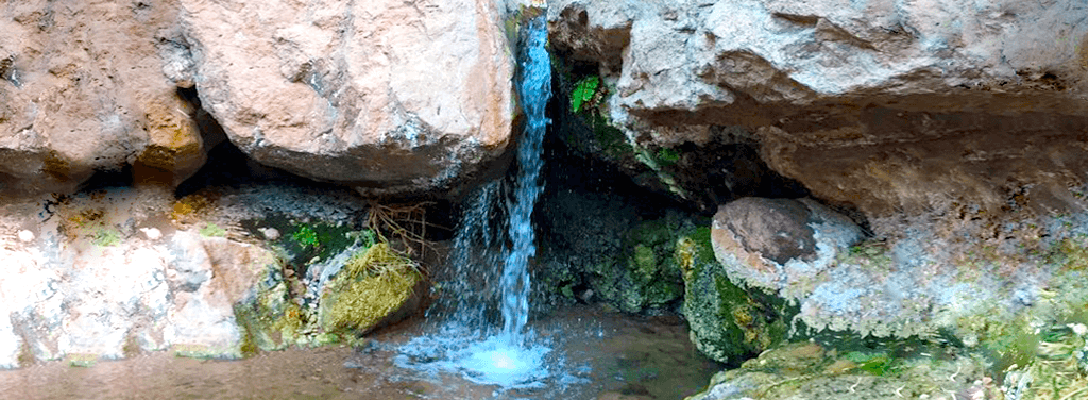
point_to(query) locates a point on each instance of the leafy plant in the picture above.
(584, 92)
(306, 236)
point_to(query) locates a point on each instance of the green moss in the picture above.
(371, 286)
(106, 237)
(667, 157)
(727, 321)
(645, 262)
(211, 229)
(878, 363)
(703, 246)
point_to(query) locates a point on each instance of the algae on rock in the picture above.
(726, 321)
(646, 276)
(373, 285)
(815, 371)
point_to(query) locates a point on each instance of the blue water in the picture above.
(466, 344)
(535, 92)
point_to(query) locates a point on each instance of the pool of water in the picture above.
(592, 355)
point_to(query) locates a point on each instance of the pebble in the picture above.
(26, 236)
(269, 233)
(151, 233)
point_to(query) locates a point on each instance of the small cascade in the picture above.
(535, 92)
(466, 343)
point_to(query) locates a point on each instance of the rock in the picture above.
(393, 97)
(94, 286)
(269, 233)
(890, 107)
(818, 372)
(151, 233)
(209, 275)
(933, 278)
(778, 244)
(26, 236)
(727, 322)
(375, 288)
(76, 102)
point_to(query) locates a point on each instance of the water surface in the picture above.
(609, 354)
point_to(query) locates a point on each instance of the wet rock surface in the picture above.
(810, 370)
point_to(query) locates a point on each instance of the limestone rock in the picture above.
(75, 101)
(779, 244)
(208, 276)
(829, 372)
(889, 106)
(91, 286)
(387, 95)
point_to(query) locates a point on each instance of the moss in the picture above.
(650, 160)
(130, 348)
(189, 206)
(56, 166)
(645, 262)
(727, 321)
(667, 157)
(371, 286)
(106, 237)
(82, 359)
(212, 230)
(26, 354)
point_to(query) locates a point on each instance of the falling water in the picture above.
(506, 358)
(535, 92)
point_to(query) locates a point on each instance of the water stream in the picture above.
(512, 357)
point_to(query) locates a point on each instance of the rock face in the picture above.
(889, 106)
(88, 285)
(75, 100)
(389, 95)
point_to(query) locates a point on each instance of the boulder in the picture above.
(390, 96)
(76, 102)
(779, 244)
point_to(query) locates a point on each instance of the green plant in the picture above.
(667, 156)
(211, 229)
(306, 236)
(875, 363)
(585, 93)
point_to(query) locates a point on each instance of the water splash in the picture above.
(512, 357)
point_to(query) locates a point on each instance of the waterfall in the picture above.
(535, 92)
(464, 343)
